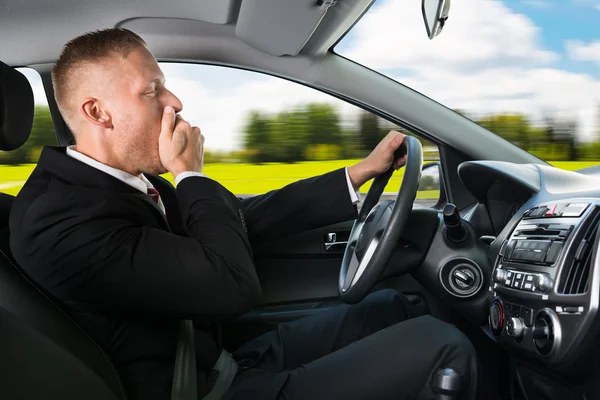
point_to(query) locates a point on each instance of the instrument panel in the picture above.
(545, 290)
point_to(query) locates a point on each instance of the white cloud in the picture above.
(577, 50)
(487, 59)
(597, 7)
(478, 34)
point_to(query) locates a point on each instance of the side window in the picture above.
(17, 165)
(264, 132)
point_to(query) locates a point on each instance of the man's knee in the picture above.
(390, 303)
(449, 336)
(456, 351)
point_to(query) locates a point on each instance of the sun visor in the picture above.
(280, 27)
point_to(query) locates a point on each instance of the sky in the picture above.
(538, 57)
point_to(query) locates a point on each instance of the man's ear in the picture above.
(94, 113)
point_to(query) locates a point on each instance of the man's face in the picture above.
(137, 99)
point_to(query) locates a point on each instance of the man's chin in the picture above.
(157, 170)
(162, 170)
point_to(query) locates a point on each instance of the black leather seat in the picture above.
(43, 353)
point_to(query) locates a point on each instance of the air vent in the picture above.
(575, 277)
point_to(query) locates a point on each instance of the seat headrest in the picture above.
(16, 108)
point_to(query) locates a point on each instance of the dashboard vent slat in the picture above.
(576, 275)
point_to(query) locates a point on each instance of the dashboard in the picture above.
(544, 292)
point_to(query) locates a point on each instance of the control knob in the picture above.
(543, 282)
(544, 331)
(515, 328)
(496, 317)
(500, 275)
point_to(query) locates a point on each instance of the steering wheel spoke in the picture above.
(358, 266)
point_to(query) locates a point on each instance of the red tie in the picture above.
(153, 193)
(155, 196)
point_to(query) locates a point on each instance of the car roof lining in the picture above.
(261, 24)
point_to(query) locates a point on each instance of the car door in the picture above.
(272, 132)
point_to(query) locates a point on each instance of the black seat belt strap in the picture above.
(184, 376)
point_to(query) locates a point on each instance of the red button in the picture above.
(550, 212)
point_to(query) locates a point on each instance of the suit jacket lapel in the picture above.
(55, 160)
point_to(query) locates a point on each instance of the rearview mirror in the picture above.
(435, 15)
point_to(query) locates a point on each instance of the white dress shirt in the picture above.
(142, 184)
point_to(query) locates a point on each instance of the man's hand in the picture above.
(380, 159)
(180, 145)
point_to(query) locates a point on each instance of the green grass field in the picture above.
(256, 179)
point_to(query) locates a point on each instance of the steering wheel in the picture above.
(376, 231)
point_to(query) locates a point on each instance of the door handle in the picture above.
(331, 242)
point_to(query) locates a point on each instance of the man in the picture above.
(129, 256)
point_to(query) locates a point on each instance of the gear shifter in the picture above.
(455, 231)
(446, 384)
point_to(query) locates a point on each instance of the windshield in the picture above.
(527, 70)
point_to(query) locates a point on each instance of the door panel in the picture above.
(310, 244)
(299, 277)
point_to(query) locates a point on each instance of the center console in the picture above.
(546, 281)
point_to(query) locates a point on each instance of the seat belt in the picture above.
(185, 386)
(184, 376)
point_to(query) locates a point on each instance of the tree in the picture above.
(290, 136)
(257, 137)
(512, 127)
(323, 124)
(369, 131)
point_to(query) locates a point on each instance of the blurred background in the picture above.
(525, 70)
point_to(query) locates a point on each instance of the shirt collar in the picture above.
(140, 184)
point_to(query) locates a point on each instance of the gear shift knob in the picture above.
(446, 384)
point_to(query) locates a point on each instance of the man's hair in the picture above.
(89, 48)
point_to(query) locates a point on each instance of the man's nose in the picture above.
(173, 101)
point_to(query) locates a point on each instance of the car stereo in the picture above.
(546, 279)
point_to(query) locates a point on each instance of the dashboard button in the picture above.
(553, 252)
(500, 275)
(574, 210)
(529, 278)
(538, 255)
(517, 284)
(527, 286)
(543, 282)
(519, 276)
(515, 310)
(551, 211)
(536, 212)
(527, 315)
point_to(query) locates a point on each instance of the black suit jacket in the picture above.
(127, 275)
